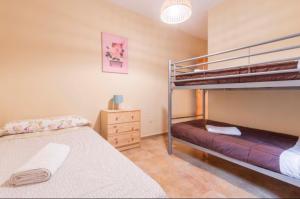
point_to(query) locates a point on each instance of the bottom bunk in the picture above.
(270, 153)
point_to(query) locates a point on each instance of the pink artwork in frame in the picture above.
(114, 53)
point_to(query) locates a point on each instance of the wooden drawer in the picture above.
(115, 129)
(124, 139)
(123, 117)
(121, 128)
(134, 116)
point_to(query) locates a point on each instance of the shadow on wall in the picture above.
(110, 104)
(165, 123)
(165, 119)
(97, 125)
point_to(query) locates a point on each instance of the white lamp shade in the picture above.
(176, 11)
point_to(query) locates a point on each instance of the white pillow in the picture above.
(223, 130)
(47, 124)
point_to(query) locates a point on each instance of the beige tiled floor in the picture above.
(189, 173)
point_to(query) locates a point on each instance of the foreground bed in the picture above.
(93, 168)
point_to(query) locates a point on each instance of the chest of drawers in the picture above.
(121, 128)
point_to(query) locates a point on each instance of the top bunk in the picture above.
(218, 73)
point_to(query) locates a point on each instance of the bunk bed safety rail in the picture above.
(238, 49)
(240, 57)
(185, 69)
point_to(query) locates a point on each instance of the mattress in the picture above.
(93, 169)
(254, 146)
(243, 70)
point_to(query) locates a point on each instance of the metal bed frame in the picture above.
(176, 68)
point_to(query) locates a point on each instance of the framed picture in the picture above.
(114, 53)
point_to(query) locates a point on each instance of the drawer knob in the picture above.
(116, 141)
(117, 118)
(132, 117)
(132, 128)
(132, 139)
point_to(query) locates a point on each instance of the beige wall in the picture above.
(235, 23)
(50, 61)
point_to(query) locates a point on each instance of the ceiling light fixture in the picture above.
(176, 11)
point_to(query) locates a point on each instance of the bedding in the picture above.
(244, 70)
(269, 150)
(41, 166)
(46, 124)
(290, 161)
(92, 169)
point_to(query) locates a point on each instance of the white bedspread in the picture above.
(41, 166)
(92, 169)
(290, 161)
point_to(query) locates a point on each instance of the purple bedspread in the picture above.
(254, 146)
(244, 70)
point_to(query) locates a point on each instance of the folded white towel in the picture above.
(198, 70)
(41, 166)
(223, 130)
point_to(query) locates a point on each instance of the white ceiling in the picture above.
(196, 25)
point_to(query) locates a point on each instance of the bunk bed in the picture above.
(255, 149)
